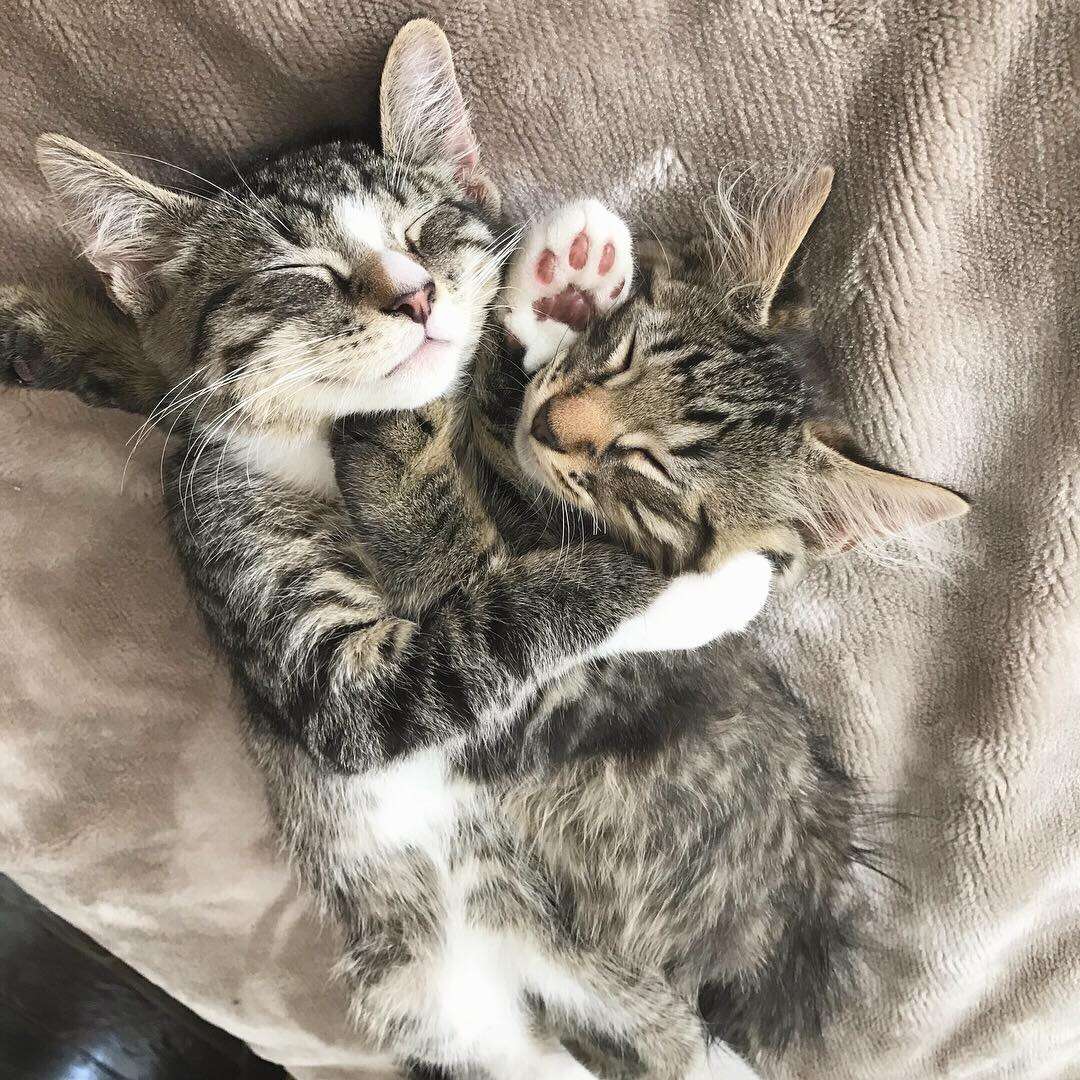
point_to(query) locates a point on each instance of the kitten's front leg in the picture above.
(696, 609)
(65, 339)
(422, 527)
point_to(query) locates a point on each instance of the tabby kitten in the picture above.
(695, 419)
(333, 280)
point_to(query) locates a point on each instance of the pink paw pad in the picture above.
(574, 266)
(579, 251)
(545, 267)
(576, 304)
(572, 307)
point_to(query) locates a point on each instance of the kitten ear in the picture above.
(422, 111)
(127, 226)
(758, 248)
(857, 502)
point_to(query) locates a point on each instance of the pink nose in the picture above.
(415, 305)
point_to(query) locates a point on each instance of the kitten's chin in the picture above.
(431, 372)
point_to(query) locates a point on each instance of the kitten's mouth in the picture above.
(430, 349)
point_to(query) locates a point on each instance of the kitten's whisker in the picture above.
(263, 206)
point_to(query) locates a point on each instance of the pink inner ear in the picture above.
(461, 147)
(466, 156)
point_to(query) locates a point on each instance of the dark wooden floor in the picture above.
(71, 1011)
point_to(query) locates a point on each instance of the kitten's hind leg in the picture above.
(65, 339)
(574, 264)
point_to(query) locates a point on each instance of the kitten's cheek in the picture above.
(526, 456)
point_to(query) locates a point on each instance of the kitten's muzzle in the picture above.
(581, 423)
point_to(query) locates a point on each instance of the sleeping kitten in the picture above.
(332, 280)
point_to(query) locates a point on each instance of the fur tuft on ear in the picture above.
(857, 503)
(127, 226)
(753, 248)
(422, 112)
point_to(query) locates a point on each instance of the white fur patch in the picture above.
(472, 996)
(476, 987)
(405, 272)
(696, 609)
(360, 222)
(557, 986)
(415, 803)
(447, 321)
(305, 464)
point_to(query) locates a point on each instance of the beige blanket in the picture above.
(946, 267)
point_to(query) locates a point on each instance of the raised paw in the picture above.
(576, 263)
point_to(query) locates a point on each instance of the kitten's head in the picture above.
(691, 423)
(326, 281)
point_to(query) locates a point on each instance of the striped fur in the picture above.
(695, 419)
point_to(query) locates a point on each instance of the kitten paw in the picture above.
(373, 454)
(386, 462)
(576, 263)
(696, 609)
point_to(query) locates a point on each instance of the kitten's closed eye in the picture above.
(331, 275)
(645, 459)
(414, 230)
(621, 363)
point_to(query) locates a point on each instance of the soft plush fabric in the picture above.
(946, 268)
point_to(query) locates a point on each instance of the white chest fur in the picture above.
(304, 464)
